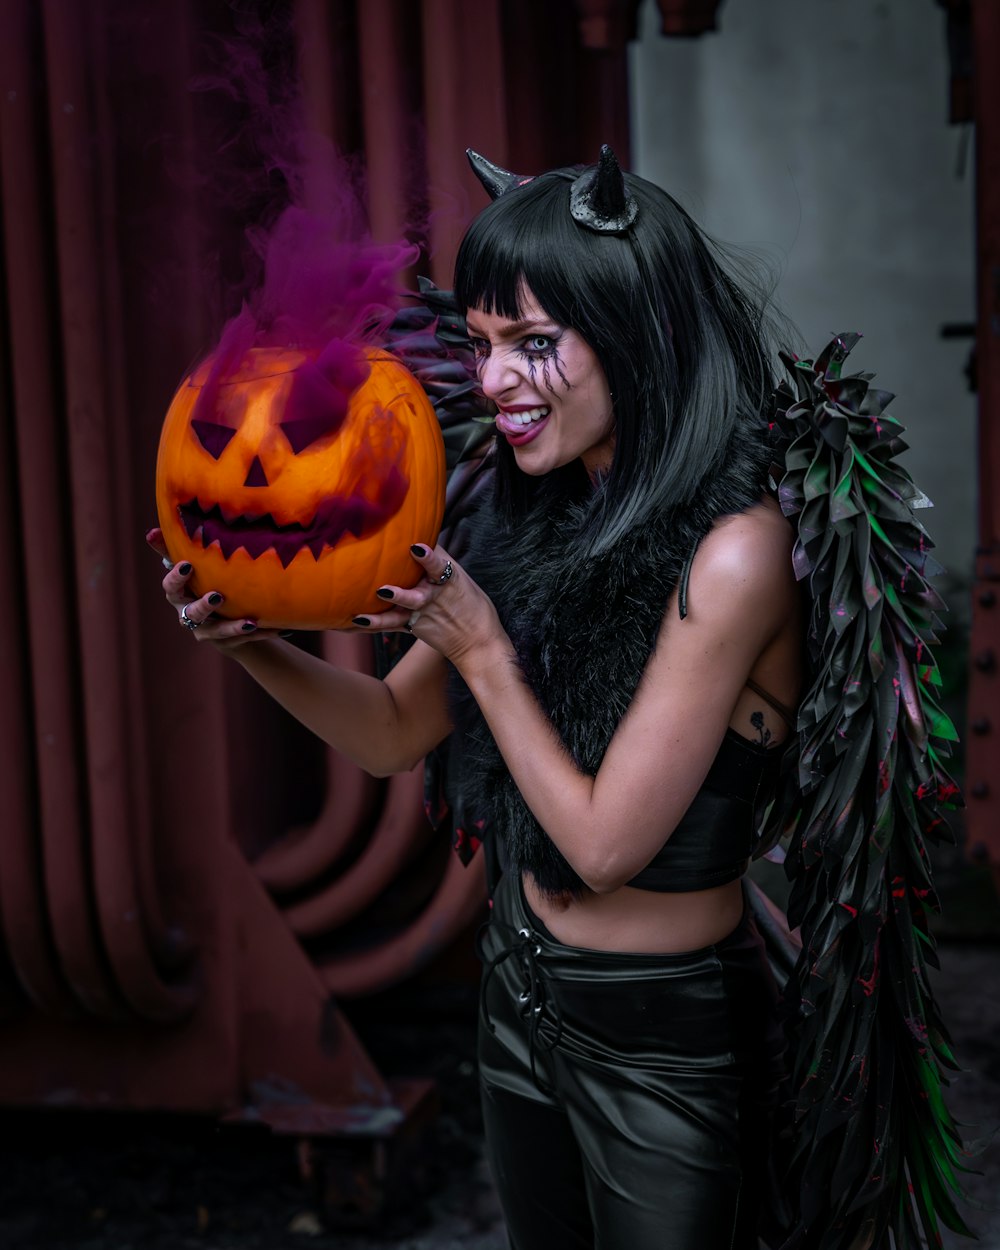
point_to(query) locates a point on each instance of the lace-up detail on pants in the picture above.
(634, 1112)
(537, 1000)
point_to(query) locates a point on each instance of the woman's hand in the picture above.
(198, 615)
(446, 609)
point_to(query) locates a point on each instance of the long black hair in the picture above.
(685, 346)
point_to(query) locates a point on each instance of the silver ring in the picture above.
(446, 575)
(186, 620)
(411, 620)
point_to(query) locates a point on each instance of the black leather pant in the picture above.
(627, 1097)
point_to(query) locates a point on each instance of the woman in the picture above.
(627, 635)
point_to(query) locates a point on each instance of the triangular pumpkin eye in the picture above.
(316, 408)
(307, 430)
(213, 437)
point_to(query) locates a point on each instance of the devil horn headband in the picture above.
(497, 181)
(598, 199)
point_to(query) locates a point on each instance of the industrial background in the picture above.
(206, 913)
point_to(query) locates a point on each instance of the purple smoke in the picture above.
(318, 282)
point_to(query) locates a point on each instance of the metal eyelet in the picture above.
(524, 996)
(524, 933)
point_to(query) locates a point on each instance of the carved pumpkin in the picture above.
(295, 496)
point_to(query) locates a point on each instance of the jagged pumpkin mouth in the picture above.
(259, 533)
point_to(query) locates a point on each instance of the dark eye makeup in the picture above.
(538, 346)
(531, 347)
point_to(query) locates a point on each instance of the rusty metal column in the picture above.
(464, 104)
(605, 29)
(386, 40)
(983, 771)
(41, 745)
(687, 17)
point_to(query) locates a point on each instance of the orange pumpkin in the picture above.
(296, 500)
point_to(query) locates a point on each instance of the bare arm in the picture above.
(385, 726)
(610, 826)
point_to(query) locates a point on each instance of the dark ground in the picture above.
(96, 1182)
(121, 1182)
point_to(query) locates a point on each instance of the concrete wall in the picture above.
(816, 130)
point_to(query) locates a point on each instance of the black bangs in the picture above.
(525, 239)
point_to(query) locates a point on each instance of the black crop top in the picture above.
(713, 843)
(716, 835)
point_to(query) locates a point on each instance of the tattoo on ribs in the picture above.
(763, 733)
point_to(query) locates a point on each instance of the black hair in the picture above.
(685, 346)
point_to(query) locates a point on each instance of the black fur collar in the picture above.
(583, 631)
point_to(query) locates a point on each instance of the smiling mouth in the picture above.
(256, 534)
(525, 418)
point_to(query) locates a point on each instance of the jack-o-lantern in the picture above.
(296, 496)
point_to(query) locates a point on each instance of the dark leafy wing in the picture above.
(431, 340)
(875, 1151)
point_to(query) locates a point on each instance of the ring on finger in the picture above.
(411, 620)
(186, 621)
(446, 575)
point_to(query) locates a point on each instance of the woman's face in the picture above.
(552, 397)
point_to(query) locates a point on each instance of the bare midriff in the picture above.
(649, 921)
(640, 921)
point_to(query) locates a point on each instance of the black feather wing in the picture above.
(431, 340)
(875, 1151)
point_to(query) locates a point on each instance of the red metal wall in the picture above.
(187, 882)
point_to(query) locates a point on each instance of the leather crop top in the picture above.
(716, 835)
(715, 838)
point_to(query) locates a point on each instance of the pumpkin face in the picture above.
(295, 497)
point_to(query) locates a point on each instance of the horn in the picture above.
(599, 200)
(497, 181)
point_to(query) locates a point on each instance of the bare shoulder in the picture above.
(745, 560)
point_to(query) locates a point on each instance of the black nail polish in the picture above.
(184, 569)
(215, 598)
(286, 633)
(361, 620)
(384, 592)
(418, 550)
(248, 627)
